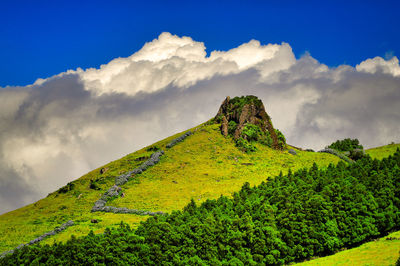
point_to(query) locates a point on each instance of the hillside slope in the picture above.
(383, 251)
(205, 165)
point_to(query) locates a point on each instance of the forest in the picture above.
(288, 218)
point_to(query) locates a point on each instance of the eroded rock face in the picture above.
(224, 126)
(243, 110)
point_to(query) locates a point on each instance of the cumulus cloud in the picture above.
(378, 64)
(59, 128)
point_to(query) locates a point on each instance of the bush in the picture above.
(252, 132)
(356, 154)
(70, 186)
(245, 146)
(232, 125)
(153, 148)
(93, 185)
(281, 138)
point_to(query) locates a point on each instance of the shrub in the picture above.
(252, 132)
(70, 186)
(245, 146)
(356, 154)
(93, 185)
(232, 125)
(153, 148)
(281, 138)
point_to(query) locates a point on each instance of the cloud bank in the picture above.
(59, 128)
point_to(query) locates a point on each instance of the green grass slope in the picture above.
(383, 151)
(377, 252)
(205, 165)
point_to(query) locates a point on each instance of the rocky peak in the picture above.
(244, 110)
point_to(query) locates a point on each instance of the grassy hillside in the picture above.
(297, 216)
(377, 252)
(383, 151)
(205, 165)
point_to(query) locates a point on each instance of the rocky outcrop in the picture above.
(40, 238)
(243, 110)
(224, 126)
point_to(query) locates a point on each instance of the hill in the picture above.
(203, 166)
(383, 251)
(292, 217)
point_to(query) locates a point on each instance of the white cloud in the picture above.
(59, 128)
(373, 65)
(182, 62)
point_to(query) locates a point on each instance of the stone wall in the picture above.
(40, 238)
(116, 190)
(336, 153)
(178, 139)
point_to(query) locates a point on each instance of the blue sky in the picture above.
(43, 38)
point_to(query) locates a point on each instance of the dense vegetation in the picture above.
(346, 145)
(289, 218)
(349, 147)
(252, 133)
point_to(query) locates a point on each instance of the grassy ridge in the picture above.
(203, 166)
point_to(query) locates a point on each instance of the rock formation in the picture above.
(243, 110)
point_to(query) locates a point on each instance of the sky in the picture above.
(84, 84)
(42, 38)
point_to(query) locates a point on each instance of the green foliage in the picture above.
(69, 187)
(349, 147)
(232, 125)
(252, 132)
(290, 218)
(245, 145)
(356, 154)
(153, 148)
(346, 145)
(218, 119)
(239, 102)
(93, 185)
(281, 139)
